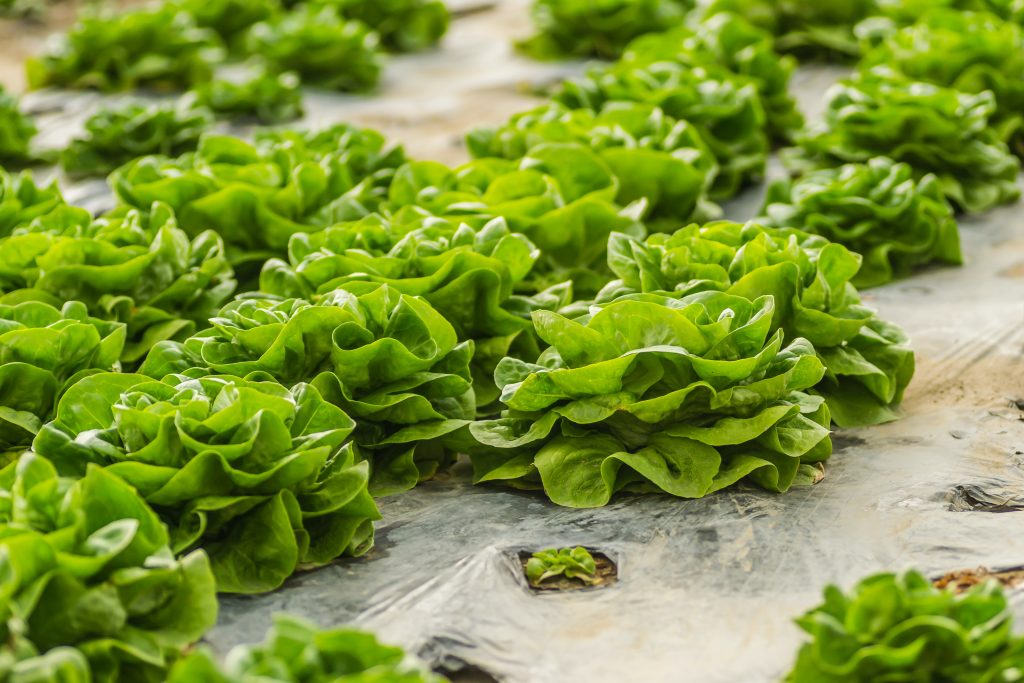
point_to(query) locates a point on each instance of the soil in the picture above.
(964, 579)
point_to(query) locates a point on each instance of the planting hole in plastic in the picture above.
(976, 498)
(607, 574)
(961, 580)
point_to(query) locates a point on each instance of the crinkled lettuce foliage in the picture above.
(470, 276)
(256, 474)
(257, 195)
(158, 48)
(653, 393)
(228, 18)
(387, 359)
(572, 563)
(16, 131)
(909, 11)
(809, 30)
(728, 40)
(130, 267)
(653, 156)
(43, 350)
(901, 628)
(967, 51)
(295, 650)
(91, 591)
(403, 25)
(258, 93)
(560, 196)
(584, 28)
(22, 200)
(877, 209)
(725, 109)
(319, 44)
(933, 129)
(114, 136)
(867, 360)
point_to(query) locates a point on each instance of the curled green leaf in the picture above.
(877, 209)
(935, 130)
(256, 474)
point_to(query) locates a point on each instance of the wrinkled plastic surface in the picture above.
(707, 588)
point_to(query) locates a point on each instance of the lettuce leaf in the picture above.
(901, 628)
(135, 268)
(157, 48)
(320, 45)
(16, 131)
(229, 19)
(259, 94)
(295, 649)
(808, 30)
(387, 359)
(867, 360)
(43, 350)
(257, 195)
(256, 474)
(724, 108)
(876, 209)
(403, 25)
(653, 156)
(967, 51)
(657, 394)
(114, 136)
(560, 196)
(22, 200)
(728, 40)
(91, 591)
(909, 11)
(582, 28)
(934, 129)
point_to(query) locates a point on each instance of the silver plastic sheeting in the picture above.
(707, 588)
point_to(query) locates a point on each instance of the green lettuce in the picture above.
(572, 563)
(901, 628)
(320, 45)
(43, 350)
(560, 196)
(403, 25)
(934, 129)
(387, 359)
(809, 30)
(22, 200)
(731, 41)
(16, 131)
(257, 195)
(725, 109)
(259, 93)
(909, 11)
(91, 591)
(867, 360)
(470, 276)
(295, 650)
(228, 18)
(156, 48)
(584, 28)
(114, 136)
(653, 156)
(685, 397)
(135, 268)
(256, 474)
(877, 209)
(967, 51)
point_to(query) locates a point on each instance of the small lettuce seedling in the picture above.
(572, 563)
